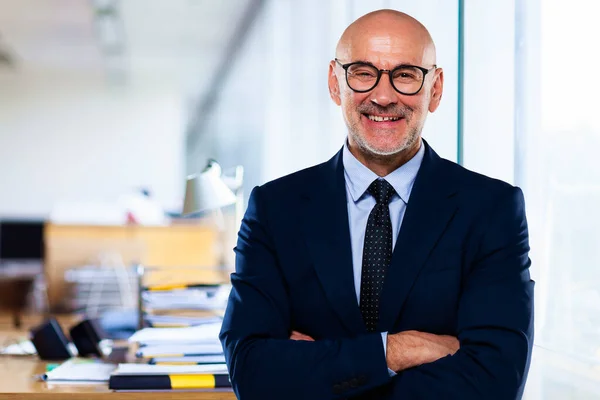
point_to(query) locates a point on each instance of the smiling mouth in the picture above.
(377, 118)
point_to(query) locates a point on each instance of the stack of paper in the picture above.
(193, 334)
(186, 360)
(147, 369)
(180, 344)
(179, 350)
(192, 298)
(178, 321)
(185, 319)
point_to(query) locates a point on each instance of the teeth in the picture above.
(381, 119)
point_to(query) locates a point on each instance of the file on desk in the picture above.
(179, 350)
(80, 370)
(206, 359)
(168, 381)
(152, 369)
(193, 334)
(178, 321)
(193, 299)
(161, 377)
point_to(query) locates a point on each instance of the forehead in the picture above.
(385, 49)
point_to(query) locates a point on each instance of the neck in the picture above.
(383, 165)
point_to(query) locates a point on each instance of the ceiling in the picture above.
(181, 38)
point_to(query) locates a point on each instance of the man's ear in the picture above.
(334, 85)
(436, 90)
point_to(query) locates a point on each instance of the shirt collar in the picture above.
(359, 177)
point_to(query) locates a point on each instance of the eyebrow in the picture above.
(374, 66)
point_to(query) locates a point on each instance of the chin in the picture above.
(380, 149)
(385, 152)
(386, 147)
(381, 143)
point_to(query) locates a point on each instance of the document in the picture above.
(207, 359)
(80, 370)
(208, 298)
(179, 350)
(22, 348)
(149, 369)
(205, 333)
(179, 321)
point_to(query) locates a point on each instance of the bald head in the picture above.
(382, 32)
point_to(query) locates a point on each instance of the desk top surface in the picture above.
(17, 378)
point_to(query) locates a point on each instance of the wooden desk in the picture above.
(17, 377)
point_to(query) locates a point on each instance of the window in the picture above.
(558, 166)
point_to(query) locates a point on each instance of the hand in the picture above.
(300, 336)
(412, 348)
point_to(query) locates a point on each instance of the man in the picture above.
(386, 272)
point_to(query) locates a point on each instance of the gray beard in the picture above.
(413, 136)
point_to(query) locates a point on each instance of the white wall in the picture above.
(71, 136)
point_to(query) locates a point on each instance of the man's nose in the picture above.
(384, 94)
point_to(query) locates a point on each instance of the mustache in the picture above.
(398, 110)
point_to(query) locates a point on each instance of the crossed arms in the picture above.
(488, 359)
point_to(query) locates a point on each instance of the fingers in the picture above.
(454, 345)
(300, 336)
(450, 343)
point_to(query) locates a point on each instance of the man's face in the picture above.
(363, 111)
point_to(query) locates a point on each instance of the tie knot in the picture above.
(381, 190)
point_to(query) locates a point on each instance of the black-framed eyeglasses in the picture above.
(405, 79)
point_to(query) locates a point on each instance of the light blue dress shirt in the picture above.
(360, 203)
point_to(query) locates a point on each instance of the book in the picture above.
(168, 381)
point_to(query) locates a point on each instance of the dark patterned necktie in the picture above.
(377, 252)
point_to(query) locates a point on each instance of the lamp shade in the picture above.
(206, 191)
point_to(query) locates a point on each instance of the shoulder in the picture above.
(295, 184)
(482, 192)
(281, 199)
(473, 181)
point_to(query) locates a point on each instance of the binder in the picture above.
(168, 350)
(171, 381)
(190, 360)
(175, 321)
(180, 286)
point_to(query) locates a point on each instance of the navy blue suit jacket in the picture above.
(460, 267)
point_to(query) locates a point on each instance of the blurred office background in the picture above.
(102, 102)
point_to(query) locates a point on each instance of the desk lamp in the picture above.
(207, 191)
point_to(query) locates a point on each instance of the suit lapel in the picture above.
(327, 235)
(429, 210)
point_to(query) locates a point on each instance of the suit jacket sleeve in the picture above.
(263, 362)
(495, 323)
